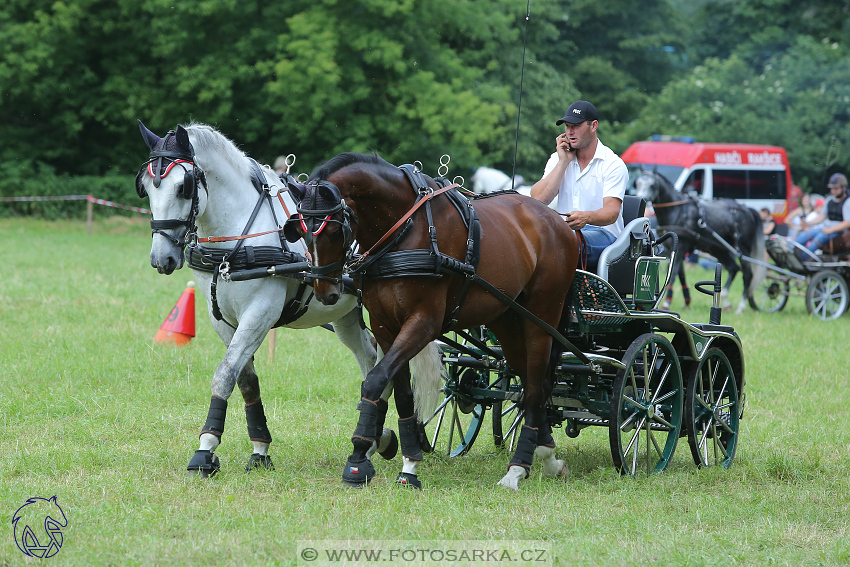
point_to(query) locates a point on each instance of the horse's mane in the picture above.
(208, 139)
(344, 160)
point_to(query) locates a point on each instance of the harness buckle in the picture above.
(192, 240)
(224, 271)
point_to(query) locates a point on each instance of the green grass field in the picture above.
(94, 412)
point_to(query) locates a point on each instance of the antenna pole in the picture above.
(521, 77)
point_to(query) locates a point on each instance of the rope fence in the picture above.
(89, 207)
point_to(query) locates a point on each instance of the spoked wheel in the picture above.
(457, 420)
(771, 296)
(827, 296)
(507, 415)
(646, 407)
(712, 410)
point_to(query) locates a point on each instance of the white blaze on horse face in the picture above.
(643, 188)
(165, 204)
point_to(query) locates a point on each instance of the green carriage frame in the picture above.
(654, 379)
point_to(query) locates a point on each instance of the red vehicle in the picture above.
(757, 176)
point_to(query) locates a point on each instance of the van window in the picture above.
(694, 184)
(748, 184)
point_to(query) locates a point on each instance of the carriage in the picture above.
(658, 379)
(819, 278)
(424, 270)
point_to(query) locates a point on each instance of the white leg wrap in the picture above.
(552, 467)
(409, 466)
(514, 476)
(209, 442)
(260, 447)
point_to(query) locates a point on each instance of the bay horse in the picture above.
(420, 252)
(208, 195)
(696, 222)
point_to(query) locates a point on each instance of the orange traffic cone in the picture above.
(179, 326)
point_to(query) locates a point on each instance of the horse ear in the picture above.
(183, 139)
(150, 138)
(297, 190)
(327, 193)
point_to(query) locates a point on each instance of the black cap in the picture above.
(579, 112)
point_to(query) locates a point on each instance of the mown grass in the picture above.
(93, 411)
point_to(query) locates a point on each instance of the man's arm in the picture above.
(601, 217)
(547, 188)
(840, 227)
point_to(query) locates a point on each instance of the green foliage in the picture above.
(411, 79)
(799, 100)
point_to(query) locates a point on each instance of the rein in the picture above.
(671, 204)
(245, 236)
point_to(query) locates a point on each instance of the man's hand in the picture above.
(577, 219)
(565, 152)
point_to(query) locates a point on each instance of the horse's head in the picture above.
(646, 186)
(170, 179)
(323, 220)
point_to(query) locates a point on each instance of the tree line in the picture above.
(412, 80)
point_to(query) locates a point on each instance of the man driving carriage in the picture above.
(837, 211)
(589, 180)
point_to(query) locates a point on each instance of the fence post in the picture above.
(89, 207)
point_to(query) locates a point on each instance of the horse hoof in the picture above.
(204, 464)
(258, 461)
(391, 449)
(408, 480)
(358, 474)
(514, 476)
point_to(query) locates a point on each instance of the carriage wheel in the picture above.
(455, 425)
(507, 416)
(771, 296)
(646, 407)
(827, 296)
(712, 411)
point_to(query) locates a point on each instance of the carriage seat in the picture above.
(617, 262)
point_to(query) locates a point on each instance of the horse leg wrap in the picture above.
(256, 419)
(408, 433)
(359, 470)
(524, 455)
(544, 436)
(367, 424)
(215, 418)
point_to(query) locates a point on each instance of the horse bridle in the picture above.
(191, 178)
(309, 214)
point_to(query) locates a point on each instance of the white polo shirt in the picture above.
(605, 176)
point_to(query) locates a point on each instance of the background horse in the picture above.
(694, 220)
(196, 175)
(416, 286)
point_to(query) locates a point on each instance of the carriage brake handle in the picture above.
(714, 291)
